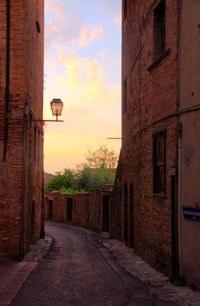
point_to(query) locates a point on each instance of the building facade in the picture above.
(21, 136)
(160, 156)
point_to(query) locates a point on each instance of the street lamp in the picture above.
(56, 107)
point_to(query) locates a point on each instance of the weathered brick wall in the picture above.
(59, 208)
(20, 177)
(116, 205)
(34, 95)
(152, 98)
(81, 210)
(95, 210)
(10, 189)
(86, 212)
(46, 198)
(2, 72)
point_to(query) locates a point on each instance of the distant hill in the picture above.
(47, 177)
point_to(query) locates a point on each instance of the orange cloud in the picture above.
(85, 74)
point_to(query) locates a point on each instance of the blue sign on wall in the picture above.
(191, 213)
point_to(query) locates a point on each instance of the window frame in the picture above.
(125, 9)
(125, 96)
(38, 146)
(159, 29)
(157, 165)
(35, 144)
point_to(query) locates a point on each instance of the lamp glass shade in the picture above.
(56, 107)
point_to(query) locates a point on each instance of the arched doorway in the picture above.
(105, 213)
(69, 209)
(50, 209)
(32, 221)
(125, 213)
(131, 216)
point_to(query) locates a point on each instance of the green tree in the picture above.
(91, 178)
(62, 179)
(98, 169)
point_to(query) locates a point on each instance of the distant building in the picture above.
(160, 157)
(47, 177)
(21, 137)
(90, 209)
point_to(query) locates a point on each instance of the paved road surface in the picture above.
(79, 271)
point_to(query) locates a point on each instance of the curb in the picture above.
(13, 280)
(159, 283)
(16, 282)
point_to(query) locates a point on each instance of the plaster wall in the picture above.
(189, 149)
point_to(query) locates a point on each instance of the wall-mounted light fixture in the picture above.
(56, 108)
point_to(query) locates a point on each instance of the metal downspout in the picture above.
(7, 89)
(179, 141)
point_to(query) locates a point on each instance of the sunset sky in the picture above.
(82, 67)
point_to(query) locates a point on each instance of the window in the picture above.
(125, 8)
(37, 26)
(125, 96)
(125, 213)
(159, 29)
(159, 163)
(38, 148)
(35, 144)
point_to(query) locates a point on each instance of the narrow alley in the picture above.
(80, 271)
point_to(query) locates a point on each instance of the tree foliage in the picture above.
(91, 178)
(102, 157)
(62, 179)
(98, 169)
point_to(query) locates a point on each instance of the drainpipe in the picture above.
(7, 89)
(24, 204)
(179, 143)
(42, 229)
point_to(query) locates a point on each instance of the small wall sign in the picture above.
(172, 171)
(191, 213)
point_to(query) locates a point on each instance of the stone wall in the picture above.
(89, 210)
(116, 205)
(81, 210)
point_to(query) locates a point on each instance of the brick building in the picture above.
(160, 156)
(21, 136)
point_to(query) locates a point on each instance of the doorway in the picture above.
(50, 209)
(32, 221)
(131, 217)
(105, 213)
(174, 228)
(69, 209)
(125, 213)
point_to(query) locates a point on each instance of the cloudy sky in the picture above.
(82, 67)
